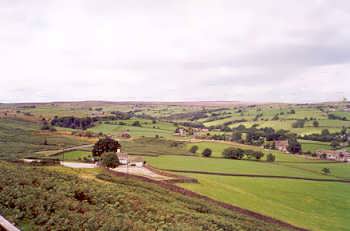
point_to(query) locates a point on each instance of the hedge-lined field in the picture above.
(43, 199)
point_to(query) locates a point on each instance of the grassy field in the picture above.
(154, 147)
(313, 146)
(147, 129)
(313, 205)
(217, 148)
(232, 166)
(77, 155)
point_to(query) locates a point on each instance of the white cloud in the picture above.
(174, 50)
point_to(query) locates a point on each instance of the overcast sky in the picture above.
(290, 51)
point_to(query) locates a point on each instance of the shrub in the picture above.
(110, 160)
(270, 157)
(136, 124)
(207, 152)
(326, 171)
(233, 153)
(194, 149)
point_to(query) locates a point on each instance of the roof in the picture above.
(281, 142)
(122, 155)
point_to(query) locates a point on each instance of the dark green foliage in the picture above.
(194, 149)
(110, 160)
(233, 153)
(335, 144)
(105, 145)
(298, 124)
(326, 171)
(40, 199)
(336, 117)
(294, 146)
(316, 124)
(73, 122)
(270, 157)
(136, 124)
(206, 152)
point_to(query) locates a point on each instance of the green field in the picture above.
(313, 146)
(77, 155)
(317, 206)
(215, 165)
(147, 129)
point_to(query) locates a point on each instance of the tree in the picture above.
(335, 144)
(136, 124)
(110, 160)
(194, 149)
(298, 124)
(105, 145)
(270, 157)
(233, 153)
(294, 146)
(236, 136)
(325, 132)
(316, 124)
(207, 152)
(326, 171)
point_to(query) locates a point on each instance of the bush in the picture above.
(194, 149)
(136, 124)
(207, 152)
(270, 157)
(233, 153)
(110, 160)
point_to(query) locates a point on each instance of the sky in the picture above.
(140, 50)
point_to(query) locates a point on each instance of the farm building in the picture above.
(336, 155)
(125, 159)
(281, 145)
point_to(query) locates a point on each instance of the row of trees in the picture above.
(235, 153)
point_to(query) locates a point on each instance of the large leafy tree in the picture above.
(105, 145)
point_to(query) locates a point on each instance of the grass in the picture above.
(313, 205)
(147, 129)
(313, 146)
(230, 166)
(74, 155)
(19, 139)
(59, 198)
(217, 148)
(154, 147)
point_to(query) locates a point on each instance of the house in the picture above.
(136, 161)
(125, 159)
(122, 157)
(336, 155)
(281, 145)
(181, 132)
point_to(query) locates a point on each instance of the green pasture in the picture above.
(313, 205)
(77, 155)
(216, 165)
